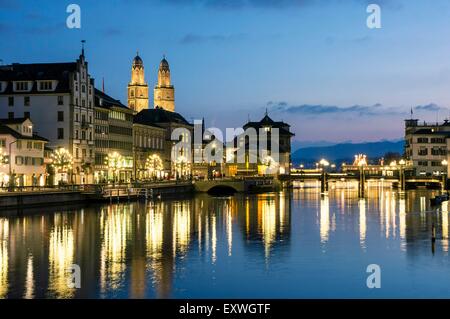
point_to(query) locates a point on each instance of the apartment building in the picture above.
(59, 98)
(426, 147)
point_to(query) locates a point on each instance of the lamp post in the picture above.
(324, 185)
(12, 179)
(402, 163)
(444, 174)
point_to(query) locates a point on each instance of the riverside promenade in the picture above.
(25, 197)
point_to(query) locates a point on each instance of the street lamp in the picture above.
(402, 163)
(444, 174)
(324, 185)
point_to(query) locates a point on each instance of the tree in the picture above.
(154, 164)
(62, 161)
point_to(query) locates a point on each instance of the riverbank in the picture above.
(91, 194)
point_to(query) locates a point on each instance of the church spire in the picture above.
(164, 93)
(138, 88)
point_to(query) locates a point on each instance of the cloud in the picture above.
(192, 38)
(358, 110)
(428, 107)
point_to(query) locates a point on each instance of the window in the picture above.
(60, 116)
(29, 145)
(2, 143)
(423, 152)
(83, 152)
(60, 133)
(83, 88)
(76, 153)
(76, 117)
(37, 145)
(435, 163)
(26, 100)
(19, 160)
(423, 163)
(83, 102)
(422, 140)
(90, 136)
(21, 86)
(19, 145)
(438, 140)
(60, 100)
(26, 115)
(45, 85)
(11, 101)
(83, 135)
(76, 134)
(10, 115)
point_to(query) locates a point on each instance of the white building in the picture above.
(23, 154)
(426, 147)
(59, 98)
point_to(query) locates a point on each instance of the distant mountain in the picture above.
(295, 144)
(345, 152)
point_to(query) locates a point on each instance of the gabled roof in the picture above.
(159, 115)
(9, 131)
(107, 101)
(267, 121)
(38, 71)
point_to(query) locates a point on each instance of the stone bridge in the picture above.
(235, 185)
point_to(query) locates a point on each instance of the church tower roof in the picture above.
(137, 61)
(164, 65)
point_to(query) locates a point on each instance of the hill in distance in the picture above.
(345, 152)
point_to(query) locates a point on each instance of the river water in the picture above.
(292, 244)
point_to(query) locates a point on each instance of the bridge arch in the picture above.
(222, 189)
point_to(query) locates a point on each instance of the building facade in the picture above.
(176, 165)
(113, 140)
(22, 154)
(266, 165)
(59, 98)
(164, 92)
(149, 141)
(426, 147)
(138, 88)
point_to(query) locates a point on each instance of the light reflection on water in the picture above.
(290, 244)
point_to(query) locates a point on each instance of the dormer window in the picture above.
(45, 85)
(21, 86)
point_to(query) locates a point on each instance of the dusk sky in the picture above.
(313, 63)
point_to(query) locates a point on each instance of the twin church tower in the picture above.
(164, 92)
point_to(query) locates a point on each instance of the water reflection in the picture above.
(193, 247)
